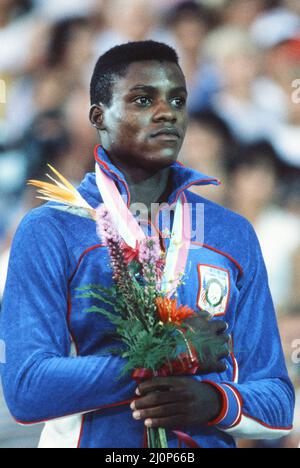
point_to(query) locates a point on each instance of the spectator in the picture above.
(278, 32)
(205, 149)
(285, 135)
(242, 13)
(16, 22)
(253, 192)
(189, 24)
(238, 61)
(292, 5)
(133, 21)
(56, 10)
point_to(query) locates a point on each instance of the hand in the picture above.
(215, 332)
(176, 402)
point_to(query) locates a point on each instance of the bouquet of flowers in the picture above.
(155, 341)
(150, 324)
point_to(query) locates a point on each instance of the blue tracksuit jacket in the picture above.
(57, 369)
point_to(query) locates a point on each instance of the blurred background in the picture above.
(242, 63)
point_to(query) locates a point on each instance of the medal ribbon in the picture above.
(176, 259)
(132, 233)
(123, 219)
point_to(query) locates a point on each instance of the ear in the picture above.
(97, 116)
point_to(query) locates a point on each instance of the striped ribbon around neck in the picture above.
(132, 233)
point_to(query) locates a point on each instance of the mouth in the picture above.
(167, 134)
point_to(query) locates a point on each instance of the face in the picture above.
(203, 150)
(256, 184)
(244, 12)
(145, 124)
(134, 19)
(190, 33)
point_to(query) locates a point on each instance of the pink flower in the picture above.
(151, 258)
(150, 250)
(105, 226)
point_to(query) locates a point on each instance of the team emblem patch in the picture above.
(214, 289)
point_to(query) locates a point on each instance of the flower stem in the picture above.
(157, 438)
(162, 438)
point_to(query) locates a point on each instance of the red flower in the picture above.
(170, 313)
(129, 253)
(160, 265)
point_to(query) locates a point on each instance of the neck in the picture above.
(151, 189)
(145, 187)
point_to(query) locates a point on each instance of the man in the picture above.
(55, 371)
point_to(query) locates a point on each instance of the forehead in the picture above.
(160, 75)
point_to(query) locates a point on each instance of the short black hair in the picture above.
(257, 153)
(60, 37)
(188, 9)
(115, 63)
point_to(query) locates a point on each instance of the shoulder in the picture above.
(51, 231)
(40, 219)
(44, 226)
(228, 232)
(47, 219)
(218, 217)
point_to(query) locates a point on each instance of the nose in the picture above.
(164, 112)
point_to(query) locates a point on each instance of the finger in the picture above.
(221, 349)
(162, 411)
(158, 398)
(171, 422)
(223, 355)
(225, 339)
(221, 367)
(195, 323)
(158, 384)
(201, 315)
(219, 326)
(216, 367)
(221, 346)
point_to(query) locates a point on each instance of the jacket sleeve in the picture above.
(260, 404)
(40, 380)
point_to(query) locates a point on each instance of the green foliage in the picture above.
(107, 296)
(148, 347)
(203, 343)
(146, 343)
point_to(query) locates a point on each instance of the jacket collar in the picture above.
(182, 179)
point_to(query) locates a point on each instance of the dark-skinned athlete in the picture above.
(55, 368)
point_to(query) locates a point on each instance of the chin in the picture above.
(149, 160)
(160, 160)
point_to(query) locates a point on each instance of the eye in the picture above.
(142, 101)
(179, 102)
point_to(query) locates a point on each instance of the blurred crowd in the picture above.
(241, 59)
